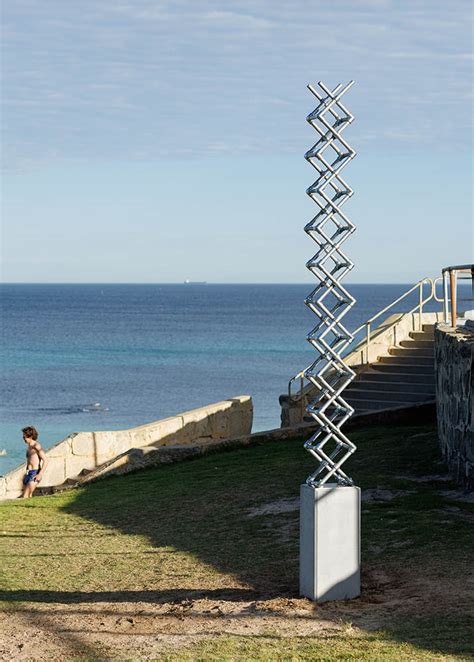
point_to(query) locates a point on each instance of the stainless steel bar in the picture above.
(420, 311)
(452, 279)
(329, 300)
(445, 297)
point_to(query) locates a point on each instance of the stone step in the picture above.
(394, 385)
(371, 405)
(392, 376)
(86, 472)
(386, 396)
(421, 335)
(43, 491)
(411, 351)
(359, 410)
(418, 361)
(429, 328)
(69, 482)
(421, 344)
(397, 365)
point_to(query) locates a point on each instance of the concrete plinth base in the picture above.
(329, 542)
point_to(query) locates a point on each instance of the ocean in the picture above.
(105, 357)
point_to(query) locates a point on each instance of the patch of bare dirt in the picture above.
(459, 495)
(115, 631)
(275, 507)
(143, 630)
(457, 512)
(420, 434)
(433, 478)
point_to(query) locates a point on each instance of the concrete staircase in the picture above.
(393, 358)
(404, 377)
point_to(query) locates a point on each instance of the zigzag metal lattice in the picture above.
(330, 301)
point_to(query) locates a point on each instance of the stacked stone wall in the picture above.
(454, 365)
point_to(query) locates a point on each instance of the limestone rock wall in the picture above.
(454, 365)
(85, 451)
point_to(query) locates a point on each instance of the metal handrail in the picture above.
(367, 325)
(459, 267)
(435, 296)
(421, 302)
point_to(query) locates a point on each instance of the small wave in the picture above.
(88, 408)
(3, 452)
(95, 407)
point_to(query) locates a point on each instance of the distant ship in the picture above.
(195, 282)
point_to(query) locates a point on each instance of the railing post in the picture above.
(420, 312)
(367, 335)
(445, 297)
(452, 278)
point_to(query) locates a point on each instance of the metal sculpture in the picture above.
(330, 301)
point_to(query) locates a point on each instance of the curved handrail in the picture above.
(435, 296)
(421, 302)
(367, 325)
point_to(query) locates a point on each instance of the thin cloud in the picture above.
(141, 77)
(235, 20)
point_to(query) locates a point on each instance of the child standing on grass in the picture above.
(36, 462)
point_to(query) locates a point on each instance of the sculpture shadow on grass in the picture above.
(205, 507)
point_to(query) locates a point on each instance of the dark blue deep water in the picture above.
(102, 357)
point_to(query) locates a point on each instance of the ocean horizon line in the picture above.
(196, 283)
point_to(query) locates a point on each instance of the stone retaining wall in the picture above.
(141, 458)
(85, 451)
(454, 365)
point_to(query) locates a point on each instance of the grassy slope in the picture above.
(183, 531)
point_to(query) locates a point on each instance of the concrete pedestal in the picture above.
(329, 542)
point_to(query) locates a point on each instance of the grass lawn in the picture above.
(199, 561)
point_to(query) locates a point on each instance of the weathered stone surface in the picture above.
(61, 448)
(197, 423)
(454, 365)
(218, 426)
(240, 420)
(82, 443)
(73, 465)
(162, 432)
(55, 472)
(14, 482)
(110, 444)
(14, 492)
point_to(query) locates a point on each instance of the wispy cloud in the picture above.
(148, 77)
(233, 20)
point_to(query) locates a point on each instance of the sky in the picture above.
(155, 140)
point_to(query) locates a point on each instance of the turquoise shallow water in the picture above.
(98, 357)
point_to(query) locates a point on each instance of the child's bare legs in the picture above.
(29, 489)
